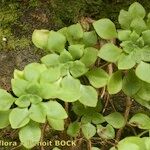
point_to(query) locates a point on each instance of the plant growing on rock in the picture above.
(84, 65)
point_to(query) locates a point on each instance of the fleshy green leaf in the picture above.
(23, 101)
(134, 36)
(131, 84)
(89, 57)
(78, 69)
(89, 96)
(125, 61)
(39, 38)
(140, 120)
(144, 91)
(75, 32)
(88, 130)
(97, 77)
(110, 52)
(56, 124)
(105, 28)
(55, 110)
(134, 143)
(124, 19)
(142, 102)
(19, 117)
(50, 75)
(33, 88)
(38, 113)
(6, 100)
(97, 118)
(73, 129)
(124, 35)
(127, 46)
(70, 89)
(50, 90)
(65, 56)
(143, 71)
(50, 60)
(4, 118)
(146, 36)
(78, 108)
(18, 74)
(136, 10)
(76, 51)
(35, 99)
(56, 42)
(32, 71)
(139, 25)
(90, 38)
(19, 86)
(115, 83)
(115, 119)
(30, 135)
(107, 132)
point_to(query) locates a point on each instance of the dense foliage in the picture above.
(74, 74)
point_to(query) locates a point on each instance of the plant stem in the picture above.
(42, 135)
(144, 132)
(126, 115)
(89, 145)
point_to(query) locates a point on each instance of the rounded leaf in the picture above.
(146, 37)
(143, 71)
(39, 38)
(140, 120)
(89, 57)
(19, 86)
(110, 52)
(33, 71)
(70, 89)
(6, 100)
(125, 61)
(78, 69)
(97, 77)
(19, 117)
(124, 19)
(55, 110)
(89, 96)
(107, 132)
(105, 28)
(131, 84)
(88, 130)
(115, 83)
(56, 42)
(90, 38)
(4, 119)
(37, 113)
(56, 124)
(124, 35)
(50, 60)
(73, 129)
(30, 135)
(76, 51)
(50, 75)
(23, 101)
(116, 120)
(144, 92)
(75, 32)
(136, 10)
